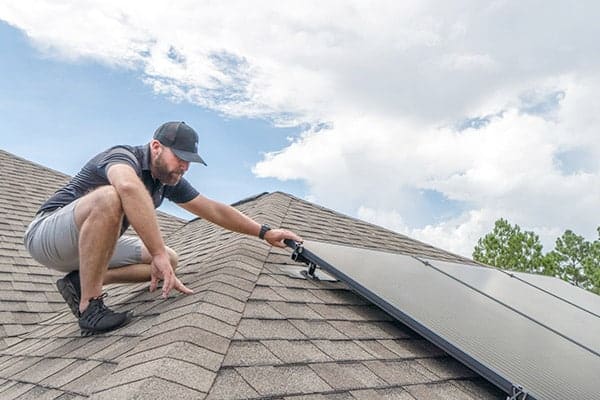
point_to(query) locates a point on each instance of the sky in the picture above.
(430, 118)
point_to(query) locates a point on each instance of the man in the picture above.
(78, 230)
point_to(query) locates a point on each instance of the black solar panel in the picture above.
(567, 292)
(512, 333)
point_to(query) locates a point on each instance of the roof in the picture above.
(249, 330)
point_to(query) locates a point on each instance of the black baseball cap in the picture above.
(181, 139)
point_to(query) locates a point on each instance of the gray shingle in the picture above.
(85, 383)
(411, 348)
(246, 353)
(229, 385)
(183, 351)
(199, 337)
(40, 393)
(281, 381)
(295, 310)
(296, 295)
(338, 296)
(370, 330)
(342, 350)
(75, 371)
(382, 394)
(15, 390)
(194, 320)
(377, 349)
(181, 372)
(351, 313)
(296, 351)
(43, 369)
(480, 389)
(17, 365)
(346, 376)
(117, 349)
(268, 329)
(261, 310)
(400, 372)
(151, 388)
(441, 391)
(265, 293)
(447, 368)
(318, 330)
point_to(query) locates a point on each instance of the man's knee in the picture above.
(103, 202)
(107, 198)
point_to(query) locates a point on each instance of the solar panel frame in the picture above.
(463, 351)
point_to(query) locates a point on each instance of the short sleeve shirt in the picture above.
(93, 175)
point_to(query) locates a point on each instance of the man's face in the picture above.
(167, 167)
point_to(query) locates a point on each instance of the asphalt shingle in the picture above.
(281, 381)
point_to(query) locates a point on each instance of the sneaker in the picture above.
(70, 289)
(97, 318)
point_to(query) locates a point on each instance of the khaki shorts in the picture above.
(52, 239)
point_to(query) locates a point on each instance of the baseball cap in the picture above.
(181, 139)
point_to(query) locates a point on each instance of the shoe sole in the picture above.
(91, 332)
(69, 293)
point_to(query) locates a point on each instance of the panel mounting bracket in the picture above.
(518, 393)
(300, 255)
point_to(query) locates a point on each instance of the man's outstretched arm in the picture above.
(137, 206)
(230, 218)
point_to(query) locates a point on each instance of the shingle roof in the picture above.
(248, 331)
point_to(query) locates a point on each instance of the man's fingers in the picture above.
(181, 287)
(169, 282)
(153, 282)
(276, 237)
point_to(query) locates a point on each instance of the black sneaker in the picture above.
(98, 318)
(70, 289)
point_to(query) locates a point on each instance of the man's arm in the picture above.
(139, 209)
(230, 218)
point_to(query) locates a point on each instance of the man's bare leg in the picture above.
(98, 216)
(137, 272)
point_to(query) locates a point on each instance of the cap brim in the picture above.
(188, 156)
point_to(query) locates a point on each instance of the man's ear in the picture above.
(155, 146)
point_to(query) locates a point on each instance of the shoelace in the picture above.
(100, 311)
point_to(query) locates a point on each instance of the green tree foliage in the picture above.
(573, 259)
(508, 247)
(570, 253)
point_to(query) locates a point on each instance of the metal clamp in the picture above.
(518, 393)
(299, 257)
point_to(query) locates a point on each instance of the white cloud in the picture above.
(392, 80)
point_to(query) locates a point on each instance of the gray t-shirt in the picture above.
(93, 175)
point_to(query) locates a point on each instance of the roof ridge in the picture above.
(22, 159)
(212, 295)
(371, 225)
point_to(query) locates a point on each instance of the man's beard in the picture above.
(165, 176)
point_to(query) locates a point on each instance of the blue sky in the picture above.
(433, 119)
(62, 113)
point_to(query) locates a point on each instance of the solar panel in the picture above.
(549, 311)
(500, 327)
(564, 290)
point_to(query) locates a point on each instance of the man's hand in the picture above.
(160, 268)
(275, 237)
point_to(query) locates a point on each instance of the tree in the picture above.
(508, 247)
(571, 252)
(591, 265)
(573, 259)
